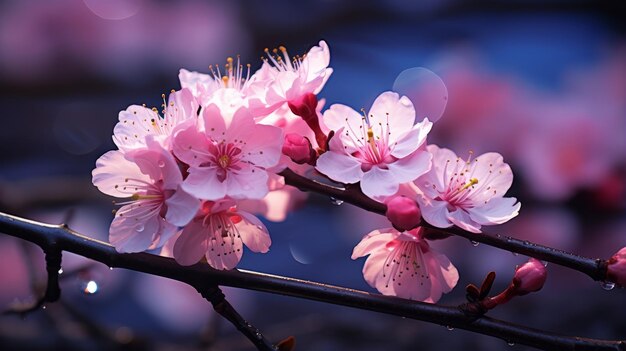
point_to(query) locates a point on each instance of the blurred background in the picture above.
(543, 83)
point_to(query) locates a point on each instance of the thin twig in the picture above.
(201, 275)
(595, 268)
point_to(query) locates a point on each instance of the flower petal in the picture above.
(253, 233)
(203, 183)
(378, 183)
(339, 167)
(374, 241)
(411, 141)
(397, 111)
(111, 172)
(434, 212)
(248, 183)
(132, 231)
(181, 208)
(134, 124)
(462, 219)
(189, 144)
(410, 167)
(192, 244)
(496, 211)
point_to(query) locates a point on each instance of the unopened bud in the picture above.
(616, 269)
(305, 106)
(298, 148)
(529, 277)
(403, 213)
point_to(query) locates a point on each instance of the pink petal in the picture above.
(181, 106)
(263, 146)
(167, 231)
(461, 219)
(375, 240)
(496, 211)
(132, 232)
(253, 232)
(181, 208)
(190, 145)
(192, 244)
(248, 183)
(399, 109)
(412, 140)
(158, 164)
(213, 122)
(112, 170)
(339, 116)
(413, 277)
(410, 167)
(224, 252)
(378, 183)
(434, 212)
(339, 167)
(133, 126)
(373, 272)
(494, 177)
(204, 184)
(316, 61)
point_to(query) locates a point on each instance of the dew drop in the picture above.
(515, 253)
(474, 243)
(89, 287)
(139, 227)
(110, 268)
(607, 285)
(425, 89)
(43, 307)
(335, 201)
(161, 163)
(545, 263)
(449, 328)
(259, 335)
(60, 271)
(510, 343)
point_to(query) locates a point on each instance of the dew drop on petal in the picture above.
(335, 201)
(139, 227)
(607, 285)
(425, 89)
(161, 163)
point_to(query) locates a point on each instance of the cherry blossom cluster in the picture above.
(193, 175)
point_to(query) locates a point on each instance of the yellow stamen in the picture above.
(472, 182)
(224, 161)
(136, 197)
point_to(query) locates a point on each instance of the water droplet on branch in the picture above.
(335, 201)
(607, 285)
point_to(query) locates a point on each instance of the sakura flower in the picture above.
(228, 153)
(233, 81)
(404, 265)
(467, 194)
(293, 78)
(156, 206)
(137, 122)
(382, 149)
(218, 233)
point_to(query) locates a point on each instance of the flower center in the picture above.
(233, 75)
(224, 161)
(372, 143)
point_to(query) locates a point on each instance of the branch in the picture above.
(595, 268)
(201, 276)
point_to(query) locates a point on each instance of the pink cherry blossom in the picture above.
(228, 153)
(466, 193)
(382, 149)
(293, 78)
(137, 122)
(156, 206)
(218, 233)
(404, 265)
(233, 80)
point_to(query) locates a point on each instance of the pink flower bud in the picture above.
(529, 277)
(403, 213)
(616, 270)
(298, 148)
(305, 106)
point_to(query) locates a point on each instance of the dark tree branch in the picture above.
(203, 277)
(595, 268)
